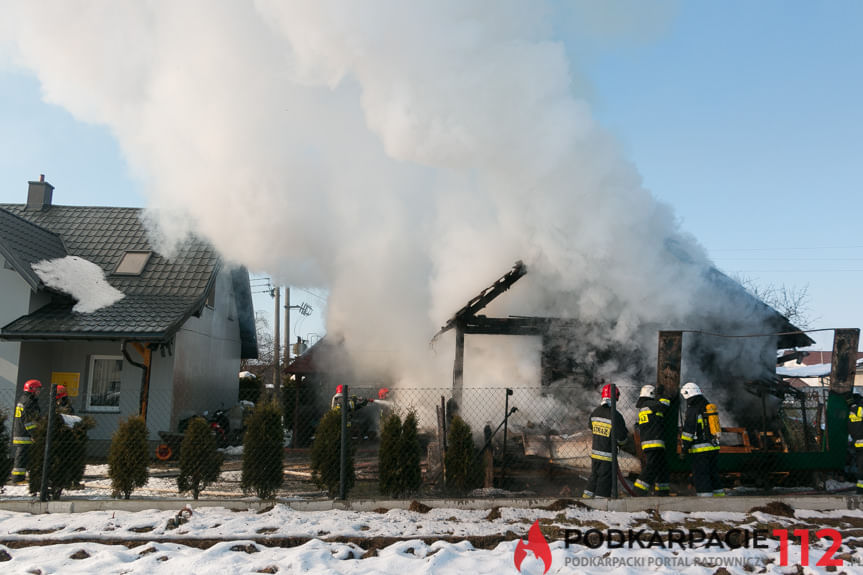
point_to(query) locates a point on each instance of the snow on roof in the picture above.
(816, 370)
(80, 278)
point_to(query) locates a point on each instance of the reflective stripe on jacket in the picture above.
(600, 427)
(695, 436)
(651, 422)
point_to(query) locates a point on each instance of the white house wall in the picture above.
(14, 303)
(207, 356)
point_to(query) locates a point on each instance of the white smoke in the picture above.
(401, 154)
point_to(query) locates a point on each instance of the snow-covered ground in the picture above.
(215, 540)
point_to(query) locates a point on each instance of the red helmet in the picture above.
(606, 392)
(61, 392)
(32, 385)
(339, 389)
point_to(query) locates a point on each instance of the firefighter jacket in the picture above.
(26, 414)
(600, 426)
(696, 436)
(651, 422)
(855, 420)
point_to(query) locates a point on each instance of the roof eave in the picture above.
(25, 272)
(86, 336)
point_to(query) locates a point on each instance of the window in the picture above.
(103, 386)
(132, 263)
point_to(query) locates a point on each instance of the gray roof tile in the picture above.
(157, 301)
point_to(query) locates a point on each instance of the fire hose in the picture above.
(624, 482)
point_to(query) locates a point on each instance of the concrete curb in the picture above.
(740, 504)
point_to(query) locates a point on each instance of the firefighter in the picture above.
(61, 401)
(855, 430)
(600, 482)
(651, 429)
(700, 438)
(26, 413)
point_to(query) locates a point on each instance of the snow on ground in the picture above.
(215, 540)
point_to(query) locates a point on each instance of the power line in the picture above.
(775, 259)
(798, 270)
(785, 248)
(311, 293)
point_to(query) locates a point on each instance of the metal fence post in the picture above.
(343, 462)
(46, 461)
(505, 425)
(613, 442)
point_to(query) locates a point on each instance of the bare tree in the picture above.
(264, 361)
(791, 301)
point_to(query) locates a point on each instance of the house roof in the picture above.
(327, 354)
(157, 302)
(23, 243)
(760, 313)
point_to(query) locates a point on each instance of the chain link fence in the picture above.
(520, 442)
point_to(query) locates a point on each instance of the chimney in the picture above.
(39, 194)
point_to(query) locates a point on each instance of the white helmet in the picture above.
(647, 391)
(689, 389)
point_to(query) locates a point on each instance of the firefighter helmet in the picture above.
(606, 392)
(32, 385)
(61, 392)
(648, 391)
(689, 389)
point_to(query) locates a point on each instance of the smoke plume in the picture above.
(401, 154)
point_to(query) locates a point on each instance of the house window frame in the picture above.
(90, 375)
(140, 269)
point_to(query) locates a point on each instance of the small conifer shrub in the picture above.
(128, 457)
(326, 454)
(463, 472)
(6, 460)
(67, 458)
(388, 455)
(410, 455)
(399, 456)
(200, 461)
(263, 451)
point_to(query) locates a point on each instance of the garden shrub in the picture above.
(128, 457)
(326, 454)
(6, 459)
(388, 455)
(399, 456)
(463, 471)
(67, 459)
(200, 460)
(263, 451)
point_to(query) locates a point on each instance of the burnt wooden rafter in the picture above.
(467, 314)
(516, 325)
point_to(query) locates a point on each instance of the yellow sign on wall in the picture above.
(68, 378)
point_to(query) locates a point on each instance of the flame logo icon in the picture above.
(537, 544)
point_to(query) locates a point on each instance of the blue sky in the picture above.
(746, 117)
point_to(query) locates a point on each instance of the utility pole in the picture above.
(276, 345)
(287, 325)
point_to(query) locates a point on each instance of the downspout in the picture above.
(145, 374)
